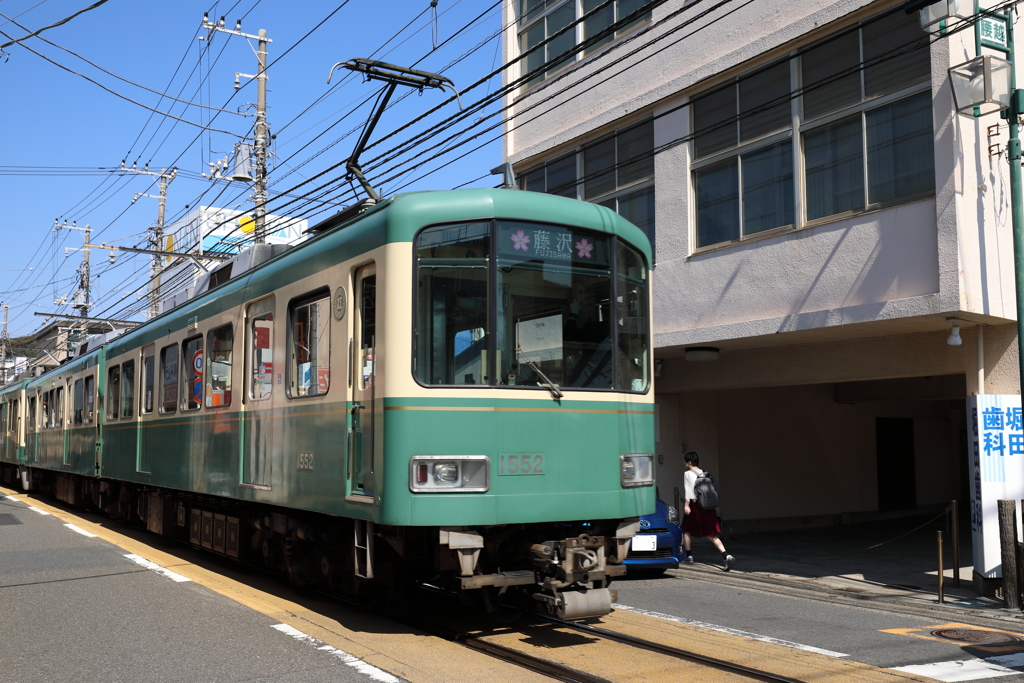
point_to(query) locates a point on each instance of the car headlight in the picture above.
(449, 473)
(637, 469)
(673, 514)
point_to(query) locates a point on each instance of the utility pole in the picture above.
(156, 233)
(81, 297)
(261, 143)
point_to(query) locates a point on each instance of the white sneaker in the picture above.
(688, 559)
(730, 562)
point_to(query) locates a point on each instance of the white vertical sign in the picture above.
(996, 446)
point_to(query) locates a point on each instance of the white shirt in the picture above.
(689, 479)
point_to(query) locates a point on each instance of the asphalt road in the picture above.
(882, 639)
(75, 608)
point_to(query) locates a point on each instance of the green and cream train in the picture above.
(450, 388)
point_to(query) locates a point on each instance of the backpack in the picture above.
(705, 491)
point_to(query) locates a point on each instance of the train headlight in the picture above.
(449, 473)
(446, 472)
(637, 469)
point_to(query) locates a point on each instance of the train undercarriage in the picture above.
(563, 569)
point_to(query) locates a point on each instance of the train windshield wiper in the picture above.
(533, 366)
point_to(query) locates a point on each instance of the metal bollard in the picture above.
(954, 511)
(941, 570)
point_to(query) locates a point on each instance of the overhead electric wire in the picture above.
(46, 28)
(114, 93)
(121, 78)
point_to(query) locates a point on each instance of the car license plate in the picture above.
(645, 542)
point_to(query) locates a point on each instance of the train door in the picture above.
(363, 373)
(257, 421)
(147, 410)
(5, 439)
(16, 430)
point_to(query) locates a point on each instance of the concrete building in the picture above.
(820, 216)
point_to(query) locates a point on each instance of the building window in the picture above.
(541, 20)
(616, 171)
(865, 135)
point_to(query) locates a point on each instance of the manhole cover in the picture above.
(968, 635)
(901, 587)
(8, 520)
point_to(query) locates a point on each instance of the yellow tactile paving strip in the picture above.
(421, 658)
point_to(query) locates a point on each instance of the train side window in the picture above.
(128, 388)
(218, 368)
(44, 410)
(192, 369)
(90, 398)
(452, 325)
(79, 399)
(58, 407)
(169, 375)
(32, 414)
(261, 349)
(309, 333)
(148, 378)
(113, 392)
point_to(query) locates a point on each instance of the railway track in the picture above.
(560, 672)
(713, 662)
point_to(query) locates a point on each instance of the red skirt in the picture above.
(701, 522)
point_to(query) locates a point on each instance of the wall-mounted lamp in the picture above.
(981, 86)
(701, 353)
(657, 368)
(947, 11)
(954, 336)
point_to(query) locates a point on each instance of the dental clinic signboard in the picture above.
(996, 445)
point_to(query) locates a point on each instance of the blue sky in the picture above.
(62, 135)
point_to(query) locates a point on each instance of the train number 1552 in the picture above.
(520, 463)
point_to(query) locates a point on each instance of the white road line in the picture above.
(42, 512)
(80, 531)
(349, 660)
(157, 568)
(967, 670)
(732, 631)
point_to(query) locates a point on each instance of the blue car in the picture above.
(659, 543)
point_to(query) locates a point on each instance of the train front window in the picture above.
(522, 304)
(555, 324)
(451, 304)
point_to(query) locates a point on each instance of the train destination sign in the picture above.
(529, 241)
